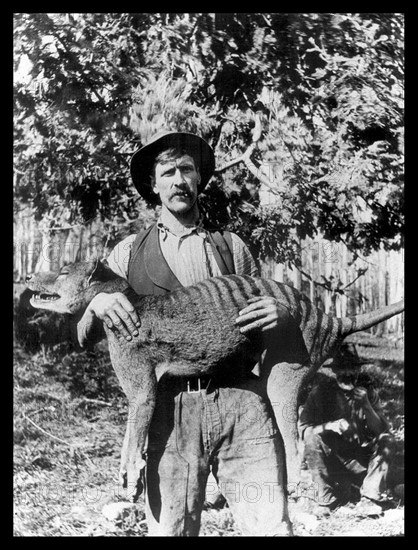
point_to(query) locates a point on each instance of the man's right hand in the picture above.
(117, 312)
(339, 426)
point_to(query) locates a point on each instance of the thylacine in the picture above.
(191, 332)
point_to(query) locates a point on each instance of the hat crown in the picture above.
(163, 133)
(346, 357)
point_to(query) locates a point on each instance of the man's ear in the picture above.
(199, 176)
(153, 186)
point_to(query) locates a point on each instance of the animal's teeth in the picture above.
(45, 297)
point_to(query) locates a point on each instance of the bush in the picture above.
(89, 373)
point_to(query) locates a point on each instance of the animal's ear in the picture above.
(99, 268)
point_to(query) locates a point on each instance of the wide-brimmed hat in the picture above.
(143, 160)
(346, 357)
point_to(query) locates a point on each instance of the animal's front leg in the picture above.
(123, 460)
(141, 409)
(138, 381)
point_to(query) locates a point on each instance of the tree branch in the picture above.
(360, 273)
(229, 164)
(317, 283)
(45, 432)
(326, 286)
(73, 448)
(256, 171)
(246, 158)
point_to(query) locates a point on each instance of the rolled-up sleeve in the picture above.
(118, 259)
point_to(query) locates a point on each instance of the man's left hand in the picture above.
(263, 312)
(361, 397)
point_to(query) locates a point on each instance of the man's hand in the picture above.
(375, 423)
(263, 312)
(117, 312)
(339, 426)
(361, 397)
(343, 428)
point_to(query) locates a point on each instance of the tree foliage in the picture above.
(326, 90)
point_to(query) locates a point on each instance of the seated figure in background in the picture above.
(346, 436)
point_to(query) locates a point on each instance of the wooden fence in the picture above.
(323, 264)
(343, 285)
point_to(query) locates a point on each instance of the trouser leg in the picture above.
(332, 461)
(251, 465)
(177, 467)
(375, 482)
(175, 495)
(317, 455)
(232, 429)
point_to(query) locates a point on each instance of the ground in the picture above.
(68, 428)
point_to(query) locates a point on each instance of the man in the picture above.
(345, 435)
(199, 424)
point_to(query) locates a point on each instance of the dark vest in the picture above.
(148, 271)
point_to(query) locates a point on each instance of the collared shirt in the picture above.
(187, 251)
(328, 402)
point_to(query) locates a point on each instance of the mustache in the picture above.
(182, 191)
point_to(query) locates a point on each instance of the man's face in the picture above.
(346, 378)
(176, 183)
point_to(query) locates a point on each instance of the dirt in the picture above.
(67, 439)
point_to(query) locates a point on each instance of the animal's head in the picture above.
(72, 288)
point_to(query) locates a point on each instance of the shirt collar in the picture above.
(168, 222)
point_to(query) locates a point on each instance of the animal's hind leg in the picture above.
(284, 403)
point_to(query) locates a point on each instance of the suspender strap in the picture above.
(221, 243)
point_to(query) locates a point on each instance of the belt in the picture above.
(195, 384)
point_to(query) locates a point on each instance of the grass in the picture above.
(69, 420)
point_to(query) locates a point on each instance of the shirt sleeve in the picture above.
(118, 258)
(243, 259)
(310, 414)
(375, 402)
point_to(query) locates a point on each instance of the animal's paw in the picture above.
(83, 328)
(132, 480)
(123, 477)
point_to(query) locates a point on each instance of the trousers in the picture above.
(229, 430)
(334, 462)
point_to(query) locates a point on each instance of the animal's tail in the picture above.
(367, 320)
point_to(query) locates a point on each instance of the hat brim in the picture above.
(341, 363)
(142, 161)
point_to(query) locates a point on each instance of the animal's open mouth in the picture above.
(44, 297)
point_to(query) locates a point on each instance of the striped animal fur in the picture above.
(192, 332)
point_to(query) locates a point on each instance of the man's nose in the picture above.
(179, 177)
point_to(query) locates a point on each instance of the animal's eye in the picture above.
(63, 272)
